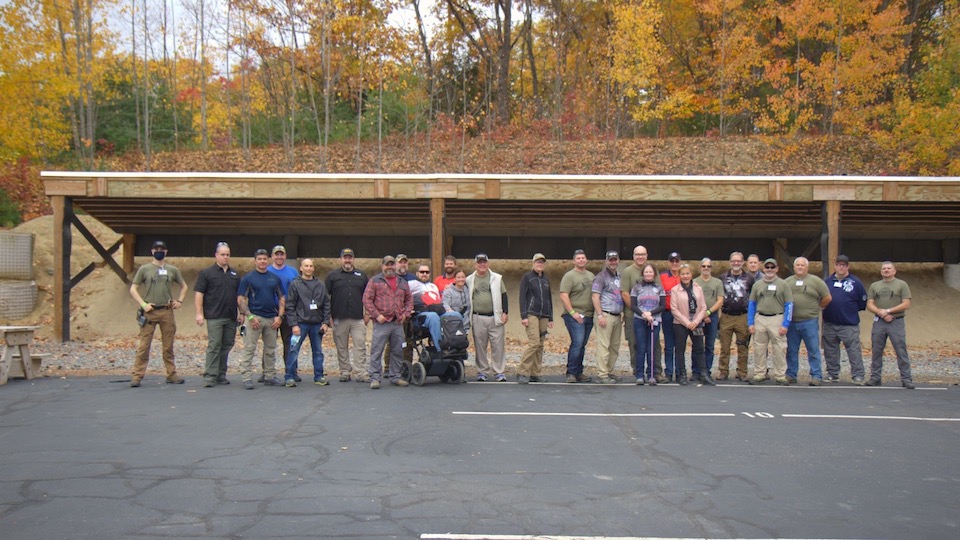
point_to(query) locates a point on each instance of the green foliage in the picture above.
(9, 211)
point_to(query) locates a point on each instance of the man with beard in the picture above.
(345, 286)
(261, 301)
(737, 285)
(768, 317)
(389, 303)
(449, 273)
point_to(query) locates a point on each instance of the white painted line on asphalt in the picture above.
(629, 415)
(867, 417)
(452, 536)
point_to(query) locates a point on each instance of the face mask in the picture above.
(159, 255)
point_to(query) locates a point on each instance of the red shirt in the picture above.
(669, 281)
(442, 282)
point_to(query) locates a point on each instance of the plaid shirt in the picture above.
(380, 299)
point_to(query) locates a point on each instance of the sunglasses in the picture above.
(706, 266)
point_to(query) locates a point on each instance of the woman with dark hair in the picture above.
(647, 301)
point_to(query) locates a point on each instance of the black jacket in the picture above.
(301, 295)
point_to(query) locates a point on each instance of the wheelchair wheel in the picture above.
(454, 373)
(405, 370)
(418, 374)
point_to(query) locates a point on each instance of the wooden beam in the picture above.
(129, 241)
(104, 252)
(437, 236)
(832, 233)
(62, 245)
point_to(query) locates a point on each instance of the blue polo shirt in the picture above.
(263, 292)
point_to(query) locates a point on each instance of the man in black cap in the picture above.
(669, 280)
(346, 285)
(157, 303)
(841, 321)
(608, 312)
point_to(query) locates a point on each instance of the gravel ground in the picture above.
(116, 357)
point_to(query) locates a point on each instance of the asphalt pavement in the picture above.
(93, 458)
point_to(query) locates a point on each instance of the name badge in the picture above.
(162, 272)
(837, 285)
(799, 283)
(313, 305)
(771, 287)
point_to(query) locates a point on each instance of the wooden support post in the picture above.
(62, 246)
(831, 247)
(437, 235)
(129, 244)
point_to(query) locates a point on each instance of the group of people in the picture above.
(748, 303)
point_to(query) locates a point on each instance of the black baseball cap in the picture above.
(345, 252)
(159, 244)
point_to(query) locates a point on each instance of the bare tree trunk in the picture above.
(428, 62)
(133, 62)
(204, 139)
(146, 91)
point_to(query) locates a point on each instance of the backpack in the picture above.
(453, 335)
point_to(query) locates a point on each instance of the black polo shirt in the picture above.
(346, 293)
(219, 288)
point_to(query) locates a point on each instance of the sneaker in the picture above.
(344, 378)
(322, 381)
(223, 380)
(209, 384)
(652, 381)
(362, 378)
(374, 385)
(523, 379)
(261, 379)
(758, 379)
(783, 381)
(832, 378)
(723, 377)
(481, 377)
(297, 378)
(248, 385)
(400, 382)
(134, 382)
(741, 378)
(175, 379)
(273, 381)
(571, 378)
(814, 382)
(290, 383)
(536, 378)
(874, 382)
(694, 377)
(909, 385)
(610, 379)
(661, 379)
(640, 381)
(791, 380)
(858, 381)
(501, 377)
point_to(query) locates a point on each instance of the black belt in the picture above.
(155, 308)
(483, 314)
(612, 313)
(771, 314)
(734, 313)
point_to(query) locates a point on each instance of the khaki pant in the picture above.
(343, 331)
(730, 326)
(164, 319)
(608, 342)
(767, 341)
(532, 360)
(486, 332)
(269, 359)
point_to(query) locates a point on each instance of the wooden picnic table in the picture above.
(16, 339)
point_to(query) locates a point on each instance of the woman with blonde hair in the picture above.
(689, 308)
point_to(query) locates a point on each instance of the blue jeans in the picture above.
(669, 343)
(313, 332)
(430, 321)
(709, 339)
(645, 356)
(579, 335)
(807, 331)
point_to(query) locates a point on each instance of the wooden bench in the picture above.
(36, 364)
(17, 341)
